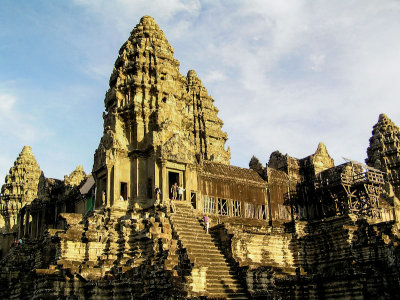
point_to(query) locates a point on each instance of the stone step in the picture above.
(185, 214)
(216, 266)
(190, 232)
(199, 252)
(228, 296)
(225, 292)
(190, 228)
(183, 210)
(218, 283)
(196, 236)
(206, 258)
(202, 251)
(200, 248)
(198, 244)
(181, 220)
(224, 273)
(220, 277)
(222, 288)
(186, 220)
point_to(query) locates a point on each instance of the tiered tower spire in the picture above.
(207, 127)
(384, 150)
(20, 188)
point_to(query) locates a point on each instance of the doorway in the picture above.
(173, 177)
(193, 199)
(123, 191)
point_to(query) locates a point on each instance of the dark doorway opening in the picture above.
(173, 177)
(193, 199)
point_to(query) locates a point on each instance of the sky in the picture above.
(285, 75)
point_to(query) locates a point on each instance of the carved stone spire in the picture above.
(321, 159)
(153, 115)
(76, 177)
(146, 104)
(150, 106)
(20, 188)
(207, 127)
(384, 150)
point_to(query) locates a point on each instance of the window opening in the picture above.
(209, 205)
(236, 208)
(222, 207)
(262, 212)
(249, 210)
(123, 190)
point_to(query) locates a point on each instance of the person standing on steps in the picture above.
(207, 222)
(180, 192)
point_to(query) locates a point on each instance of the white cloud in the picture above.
(214, 75)
(15, 123)
(317, 61)
(6, 103)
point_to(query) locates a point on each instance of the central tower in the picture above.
(158, 124)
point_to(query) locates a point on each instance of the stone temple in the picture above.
(292, 229)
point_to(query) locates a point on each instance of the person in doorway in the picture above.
(121, 197)
(207, 222)
(174, 191)
(180, 192)
(157, 192)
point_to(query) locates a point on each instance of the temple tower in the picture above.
(151, 123)
(384, 150)
(20, 189)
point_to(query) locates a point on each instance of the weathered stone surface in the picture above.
(209, 139)
(76, 177)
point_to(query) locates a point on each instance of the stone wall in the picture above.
(340, 257)
(105, 254)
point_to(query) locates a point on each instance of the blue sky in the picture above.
(285, 75)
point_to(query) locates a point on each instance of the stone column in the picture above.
(21, 224)
(115, 185)
(26, 229)
(164, 183)
(187, 186)
(37, 233)
(108, 189)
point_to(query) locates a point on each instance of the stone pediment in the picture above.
(178, 148)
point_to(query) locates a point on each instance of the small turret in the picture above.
(20, 188)
(384, 150)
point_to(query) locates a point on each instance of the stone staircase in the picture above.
(211, 275)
